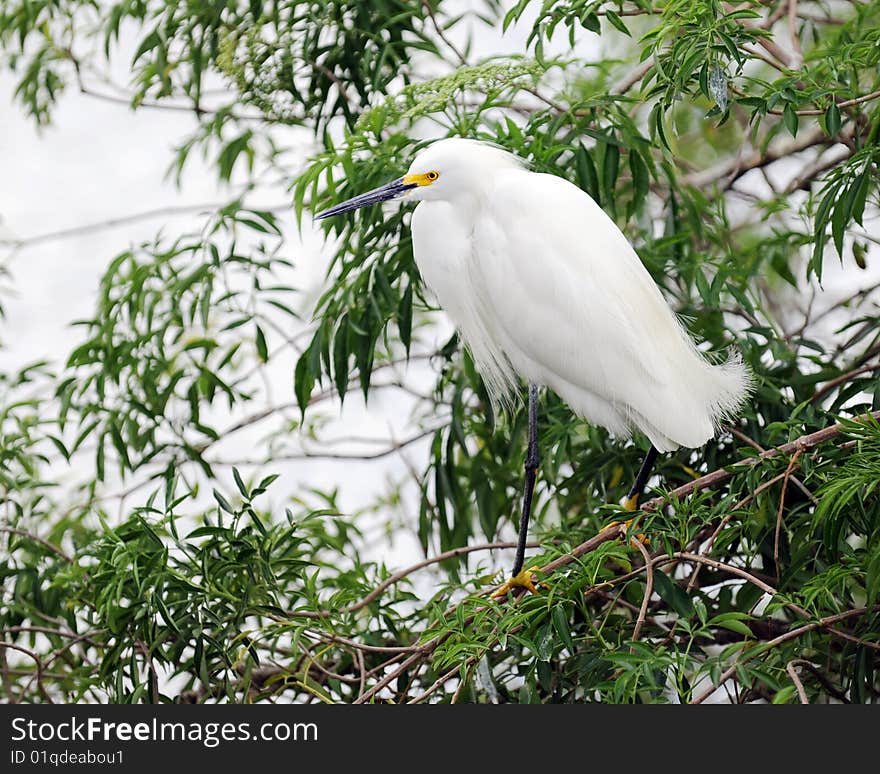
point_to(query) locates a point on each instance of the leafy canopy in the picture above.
(736, 145)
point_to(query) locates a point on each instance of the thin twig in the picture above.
(752, 51)
(393, 448)
(730, 514)
(363, 670)
(36, 539)
(791, 465)
(649, 588)
(792, 673)
(398, 576)
(737, 433)
(734, 168)
(57, 654)
(52, 632)
(832, 689)
(38, 675)
(426, 650)
(861, 295)
(122, 220)
(630, 80)
(441, 34)
(842, 105)
(379, 649)
(798, 58)
(722, 475)
(151, 669)
(842, 379)
(444, 678)
(811, 171)
(343, 91)
(195, 109)
(739, 572)
(792, 634)
(768, 589)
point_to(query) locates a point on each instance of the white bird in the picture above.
(543, 285)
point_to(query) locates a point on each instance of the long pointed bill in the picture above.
(384, 193)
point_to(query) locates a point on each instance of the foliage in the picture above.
(737, 148)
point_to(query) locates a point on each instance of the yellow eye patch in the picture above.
(425, 179)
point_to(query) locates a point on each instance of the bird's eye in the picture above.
(432, 176)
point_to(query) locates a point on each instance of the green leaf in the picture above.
(591, 22)
(404, 317)
(641, 178)
(147, 44)
(262, 347)
(239, 482)
(735, 626)
(222, 502)
(832, 120)
(673, 594)
(562, 627)
(860, 194)
(616, 21)
(839, 220)
(341, 357)
(586, 173)
(610, 167)
(785, 695)
(790, 119)
(304, 380)
(872, 576)
(58, 444)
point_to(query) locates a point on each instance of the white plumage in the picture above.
(542, 284)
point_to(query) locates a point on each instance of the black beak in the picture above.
(384, 193)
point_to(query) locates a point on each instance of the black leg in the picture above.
(533, 458)
(632, 499)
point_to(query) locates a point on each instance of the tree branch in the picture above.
(649, 588)
(398, 576)
(630, 80)
(792, 634)
(441, 34)
(736, 167)
(778, 531)
(36, 539)
(711, 480)
(122, 220)
(792, 673)
(392, 448)
(832, 384)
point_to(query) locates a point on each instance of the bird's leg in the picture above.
(519, 576)
(631, 503)
(533, 459)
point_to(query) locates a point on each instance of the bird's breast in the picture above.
(442, 247)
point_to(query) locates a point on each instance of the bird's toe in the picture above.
(524, 579)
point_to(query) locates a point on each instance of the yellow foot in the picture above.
(631, 503)
(641, 537)
(522, 580)
(690, 471)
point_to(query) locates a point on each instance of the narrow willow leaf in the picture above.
(790, 119)
(832, 120)
(616, 21)
(262, 346)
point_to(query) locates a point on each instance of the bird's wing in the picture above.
(575, 307)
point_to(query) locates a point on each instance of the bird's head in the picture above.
(445, 170)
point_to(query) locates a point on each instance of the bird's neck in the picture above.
(466, 205)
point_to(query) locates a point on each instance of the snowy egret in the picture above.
(543, 285)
